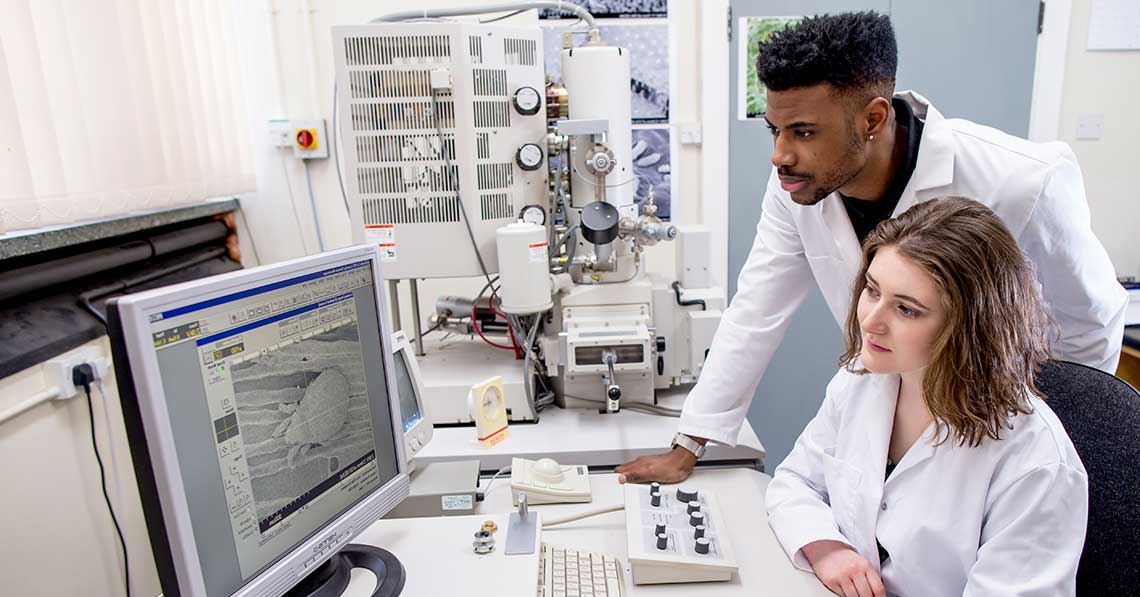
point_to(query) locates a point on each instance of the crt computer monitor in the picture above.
(264, 429)
(410, 388)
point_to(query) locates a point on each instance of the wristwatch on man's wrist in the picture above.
(689, 444)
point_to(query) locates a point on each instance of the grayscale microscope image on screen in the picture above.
(303, 409)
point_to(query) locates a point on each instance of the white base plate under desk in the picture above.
(585, 436)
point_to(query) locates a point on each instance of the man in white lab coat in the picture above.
(850, 153)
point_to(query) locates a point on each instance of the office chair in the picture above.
(1102, 415)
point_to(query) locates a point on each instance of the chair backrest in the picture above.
(1102, 415)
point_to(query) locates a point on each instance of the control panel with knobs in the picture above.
(676, 534)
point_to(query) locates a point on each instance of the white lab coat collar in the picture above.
(935, 166)
(934, 169)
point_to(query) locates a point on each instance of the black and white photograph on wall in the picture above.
(617, 9)
(649, 48)
(652, 164)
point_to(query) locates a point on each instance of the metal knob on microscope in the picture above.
(686, 494)
(702, 545)
(484, 542)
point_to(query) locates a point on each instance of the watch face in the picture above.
(491, 400)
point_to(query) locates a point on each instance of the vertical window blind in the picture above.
(115, 106)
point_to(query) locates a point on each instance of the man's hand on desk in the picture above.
(673, 466)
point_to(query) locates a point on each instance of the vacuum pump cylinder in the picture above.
(524, 270)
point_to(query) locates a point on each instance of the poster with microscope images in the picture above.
(652, 163)
(304, 417)
(604, 9)
(649, 46)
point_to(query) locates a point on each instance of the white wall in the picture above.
(1106, 83)
(57, 538)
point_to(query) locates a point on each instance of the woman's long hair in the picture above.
(994, 340)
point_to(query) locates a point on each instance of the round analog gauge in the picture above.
(533, 214)
(529, 156)
(491, 400)
(527, 101)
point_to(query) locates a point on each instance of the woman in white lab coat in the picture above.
(933, 466)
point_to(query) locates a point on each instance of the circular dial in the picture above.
(527, 101)
(529, 156)
(533, 214)
(491, 400)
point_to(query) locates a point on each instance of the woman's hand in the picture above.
(843, 570)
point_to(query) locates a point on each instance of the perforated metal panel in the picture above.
(401, 193)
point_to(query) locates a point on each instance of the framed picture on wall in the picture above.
(753, 101)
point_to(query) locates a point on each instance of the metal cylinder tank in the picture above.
(596, 78)
(524, 266)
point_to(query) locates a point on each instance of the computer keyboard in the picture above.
(676, 534)
(566, 572)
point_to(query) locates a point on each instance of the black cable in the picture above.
(677, 291)
(82, 375)
(452, 182)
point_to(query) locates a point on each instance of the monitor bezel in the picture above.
(161, 489)
(423, 428)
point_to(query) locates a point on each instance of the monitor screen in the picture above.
(406, 387)
(277, 401)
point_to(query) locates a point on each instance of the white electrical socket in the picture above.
(279, 132)
(57, 372)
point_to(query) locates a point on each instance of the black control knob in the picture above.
(698, 531)
(659, 529)
(614, 393)
(655, 498)
(702, 545)
(662, 541)
(686, 494)
(694, 507)
(696, 518)
(654, 487)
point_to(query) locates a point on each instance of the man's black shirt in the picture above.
(865, 215)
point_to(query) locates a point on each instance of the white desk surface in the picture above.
(584, 436)
(437, 554)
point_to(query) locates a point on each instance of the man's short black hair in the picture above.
(855, 52)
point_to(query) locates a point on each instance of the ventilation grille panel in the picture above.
(492, 114)
(490, 81)
(495, 176)
(393, 49)
(519, 51)
(368, 84)
(476, 46)
(402, 179)
(483, 146)
(395, 210)
(401, 116)
(496, 206)
(403, 148)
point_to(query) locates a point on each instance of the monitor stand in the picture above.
(331, 578)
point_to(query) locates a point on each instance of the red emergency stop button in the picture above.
(307, 138)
